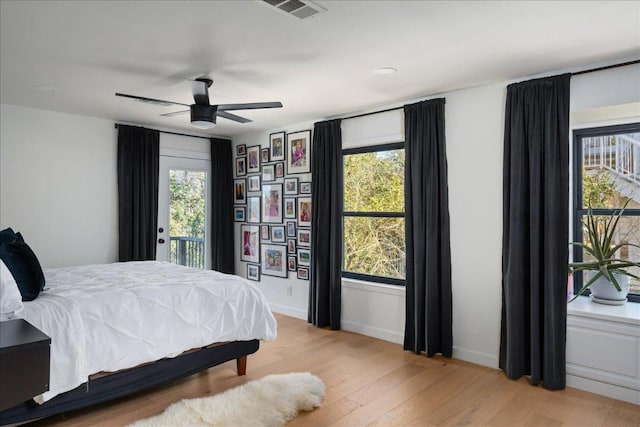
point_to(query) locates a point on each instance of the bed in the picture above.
(120, 328)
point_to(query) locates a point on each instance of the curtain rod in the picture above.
(608, 67)
(371, 113)
(179, 134)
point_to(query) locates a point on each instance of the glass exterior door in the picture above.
(183, 212)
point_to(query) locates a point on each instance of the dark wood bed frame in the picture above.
(122, 383)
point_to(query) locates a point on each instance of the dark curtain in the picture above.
(222, 243)
(535, 231)
(326, 225)
(428, 275)
(138, 174)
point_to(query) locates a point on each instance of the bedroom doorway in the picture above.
(183, 211)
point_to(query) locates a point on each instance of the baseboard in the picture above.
(476, 357)
(288, 311)
(609, 390)
(383, 334)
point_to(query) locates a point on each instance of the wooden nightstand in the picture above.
(24, 362)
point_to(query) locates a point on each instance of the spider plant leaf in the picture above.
(622, 245)
(583, 246)
(592, 229)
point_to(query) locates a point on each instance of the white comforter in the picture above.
(117, 316)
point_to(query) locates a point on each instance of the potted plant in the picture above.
(610, 281)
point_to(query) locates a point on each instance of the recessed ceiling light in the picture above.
(385, 70)
(45, 88)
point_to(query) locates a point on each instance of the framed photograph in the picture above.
(241, 166)
(264, 231)
(253, 210)
(241, 150)
(272, 204)
(240, 192)
(277, 234)
(239, 213)
(291, 229)
(254, 183)
(274, 259)
(291, 186)
(250, 239)
(304, 257)
(299, 152)
(268, 173)
(253, 159)
(303, 273)
(291, 262)
(291, 246)
(304, 211)
(253, 272)
(265, 155)
(290, 207)
(305, 188)
(304, 237)
(276, 146)
(280, 170)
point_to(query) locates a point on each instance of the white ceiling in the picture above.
(318, 68)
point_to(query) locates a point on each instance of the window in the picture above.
(607, 171)
(373, 214)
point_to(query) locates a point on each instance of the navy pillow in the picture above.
(7, 235)
(24, 266)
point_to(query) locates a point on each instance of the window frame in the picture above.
(345, 214)
(579, 210)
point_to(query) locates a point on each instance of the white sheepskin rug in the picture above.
(271, 401)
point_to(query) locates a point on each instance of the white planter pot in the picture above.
(604, 292)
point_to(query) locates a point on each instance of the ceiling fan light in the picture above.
(203, 116)
(202, 124)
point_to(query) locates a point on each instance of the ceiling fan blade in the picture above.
(175, 113)
(200, 90)
(232, 117)
(249, 106)
(151, 100)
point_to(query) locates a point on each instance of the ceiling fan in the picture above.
(203, 114)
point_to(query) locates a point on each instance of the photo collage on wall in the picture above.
(273, 206)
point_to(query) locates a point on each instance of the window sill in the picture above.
(583, 307)
(380, 288)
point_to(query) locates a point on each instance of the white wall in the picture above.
(58, 184)
(474, 131)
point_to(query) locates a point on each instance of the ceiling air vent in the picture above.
(299, 8)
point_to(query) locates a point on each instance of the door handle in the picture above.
(161, 241)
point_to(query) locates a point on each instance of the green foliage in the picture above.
(187, 198)
(374, 182)
(598, 189)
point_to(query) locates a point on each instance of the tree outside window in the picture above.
(373, 214)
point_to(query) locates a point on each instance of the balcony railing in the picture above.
(188, 251)
(619, 154)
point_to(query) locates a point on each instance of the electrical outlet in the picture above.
(289, 290)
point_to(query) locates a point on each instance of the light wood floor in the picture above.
(375, 383)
